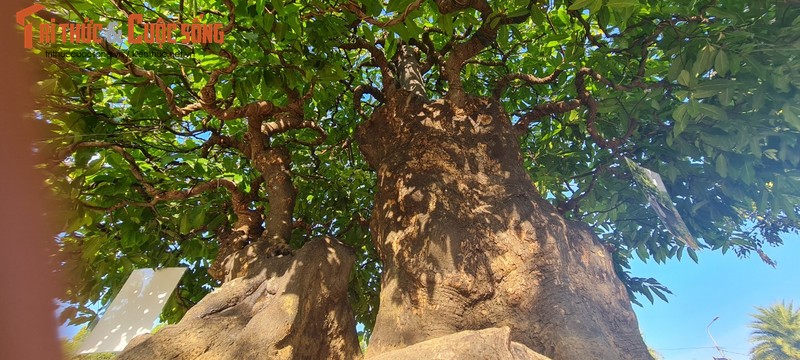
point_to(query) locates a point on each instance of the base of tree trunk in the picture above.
(467, 242)
(296, 307)
(491, 343)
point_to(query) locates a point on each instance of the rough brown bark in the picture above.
(295, 307)
(493, 343)
(467, 243)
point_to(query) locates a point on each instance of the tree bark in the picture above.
(293, 307)
(492, 343)
(467, 243)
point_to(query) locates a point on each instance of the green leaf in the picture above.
(641, 251)
(198, 217)
(681, 117)
(713, 112)
(519, 12)
(260, 7)
(721, 166)
(748, 174)
(581, 4)
(622, 3)
(722, 63)
(398, 5)
(445, 23)
(648, 295)
(278, 5)
(692, 254)
(790, 114)
(137, 98)
(684, 78)
(704, 59)
(659, 294)
(185, 225)
(675, 68)
(693, 108)
(712, 87)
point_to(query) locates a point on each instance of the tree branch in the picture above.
(387, 78)
(588, 100)
(239, 200)
(462, 52)
(359, 92)
(353, 7)
(208, 101)
(503, 83)
(542, 110)
(135, 170)
(275, 166)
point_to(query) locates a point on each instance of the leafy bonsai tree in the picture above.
(470, 164)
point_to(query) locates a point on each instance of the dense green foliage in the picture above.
(705, 92)
(776, 333)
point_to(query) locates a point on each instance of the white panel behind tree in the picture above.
(133, 311)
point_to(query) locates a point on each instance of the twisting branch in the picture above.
(208, 101)
(359, 92)
(503, 83)
(587, 30)
(255, 186)
(292, 121)
(152, 77)
(135, 170)
(275, 166)
(635, 84)
(542, 110)
(451, 6)
(387, 78)
(572, 204)
(208, 95)
(588, 100)
(483, 37)
(238, 198)
(231, 16)
(464, 51)
(434, 57)
(226, 142)
(584, 98)
(353, 7)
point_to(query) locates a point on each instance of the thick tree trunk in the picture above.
(467, 242)
(291, 307)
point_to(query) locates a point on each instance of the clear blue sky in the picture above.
(719, 285)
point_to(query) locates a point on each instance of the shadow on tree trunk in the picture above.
(467, 242)
(293, 307)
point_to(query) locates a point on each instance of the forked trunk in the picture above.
(467, 242)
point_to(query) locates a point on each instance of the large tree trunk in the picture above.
(290, 307)
(467, 242)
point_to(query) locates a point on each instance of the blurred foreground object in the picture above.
(28, 329)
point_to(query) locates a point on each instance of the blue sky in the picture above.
(719, 285)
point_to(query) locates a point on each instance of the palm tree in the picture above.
(776, 333)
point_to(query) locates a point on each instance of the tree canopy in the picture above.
(776, 333)
(151, 156)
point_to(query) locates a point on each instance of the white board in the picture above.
(133, 311)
